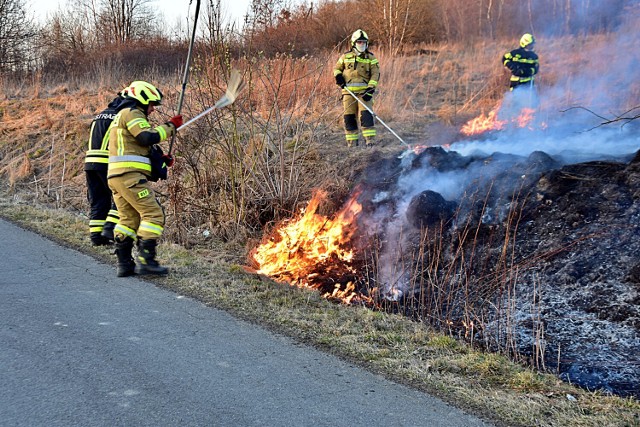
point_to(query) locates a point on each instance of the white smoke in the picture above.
(566, 126)
(600, 80)
(568, 142)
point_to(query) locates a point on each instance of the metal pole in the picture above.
(198, 117)
(235, 86)
(374, 115)
(185, 78)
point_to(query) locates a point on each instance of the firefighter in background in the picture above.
(103, 215)
(131, 142)
(358, 70)
(522, 62)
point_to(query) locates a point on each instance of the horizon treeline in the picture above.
(102, 36)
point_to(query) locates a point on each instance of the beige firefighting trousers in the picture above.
(354, 112)
(141, 215)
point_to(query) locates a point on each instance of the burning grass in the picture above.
(315, 251)
(468, 279)
(492, 121)
(391, 345)
(250, 167)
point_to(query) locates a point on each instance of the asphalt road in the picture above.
(80, 347)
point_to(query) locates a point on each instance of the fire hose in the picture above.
(185, 78)
(376, 116)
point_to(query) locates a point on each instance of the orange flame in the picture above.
(484, 123)
(301, 247)
(525, 117)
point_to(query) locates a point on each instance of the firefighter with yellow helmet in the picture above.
(133, 162)
(358, 71)
(522, 62)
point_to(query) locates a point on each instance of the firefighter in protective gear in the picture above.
(358, 70)
(131, 139)
(103, 214)
(522, 62)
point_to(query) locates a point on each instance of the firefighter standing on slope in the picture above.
(358, 70)
(103, 215)
(522, 62)
(131, 146)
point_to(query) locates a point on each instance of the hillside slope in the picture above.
(575, 216)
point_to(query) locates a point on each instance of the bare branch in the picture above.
(606, 121)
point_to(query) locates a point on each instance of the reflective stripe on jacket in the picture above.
(130, 139)
(97, 155)
(135, 162)
(522, 63)
(360, 71)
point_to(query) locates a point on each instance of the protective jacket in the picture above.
(360, 71)
(103, 215)
(97, 156)
(131, 137)
(523, 65)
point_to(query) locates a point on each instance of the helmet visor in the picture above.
(361, 45)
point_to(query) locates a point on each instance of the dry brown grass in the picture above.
(241, 169)
(254, 162)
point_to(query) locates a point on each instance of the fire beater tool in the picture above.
(381, 122)
(185, 78)
(234, 87)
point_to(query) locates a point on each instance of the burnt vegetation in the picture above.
(528, 256)
(520, 263)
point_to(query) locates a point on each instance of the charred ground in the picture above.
(539, 255)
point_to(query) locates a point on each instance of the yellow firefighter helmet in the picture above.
(526, 40)
(143, 92)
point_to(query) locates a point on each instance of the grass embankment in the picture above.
(291, 107)
(404, 351)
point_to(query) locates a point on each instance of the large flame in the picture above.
(490, 121)
(483, 123)
(303, 250)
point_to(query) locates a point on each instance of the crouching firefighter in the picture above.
(134, 160)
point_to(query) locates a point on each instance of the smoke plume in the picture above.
(599, 84)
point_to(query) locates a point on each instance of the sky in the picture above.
(171, 9)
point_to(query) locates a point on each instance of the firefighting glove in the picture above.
(176, 121)
(368, 94)
(168, 160)
(340, 81)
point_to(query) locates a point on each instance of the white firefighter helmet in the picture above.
(359, 36)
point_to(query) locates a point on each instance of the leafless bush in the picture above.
(17, 32)
(250, 163)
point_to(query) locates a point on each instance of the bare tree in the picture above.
(397, 22)
(121, 21)
(264, 13)
(67, 37)
(17, 31)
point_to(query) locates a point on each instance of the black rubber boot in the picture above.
(147, 263)
(107, 231)
(126, 264)
(98, 239)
